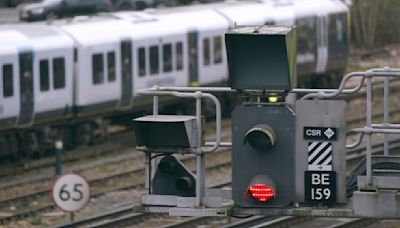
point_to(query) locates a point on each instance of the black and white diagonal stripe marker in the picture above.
(320, 156)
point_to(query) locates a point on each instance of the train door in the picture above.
(306, 45)
(192, 41)
(338, 47)
(322, 44)
(26, 88)
(126, 74)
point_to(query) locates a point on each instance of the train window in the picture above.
(98, 68)
(8, 88)
(167, 57)
(179, 56)
(217, 49)
(142, 61)
(58, 73)
(75, 55)
(339, 30)
(154, 63)
(206, 51)
(44, 75)
(111, 66)
(306, 28)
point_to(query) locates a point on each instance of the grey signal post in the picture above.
(275, 163)
(262, 64)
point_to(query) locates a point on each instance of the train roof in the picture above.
(192, 18)
(168, 21)
(110, 28)
(95, 31)
(239, 14)
(31, 36)
(308, 7)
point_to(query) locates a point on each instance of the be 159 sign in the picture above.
(320, 186)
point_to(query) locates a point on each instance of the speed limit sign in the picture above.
(71, 192)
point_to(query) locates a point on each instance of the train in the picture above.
(67, 78)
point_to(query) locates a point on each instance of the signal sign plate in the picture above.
(320, 133)
(319, 156)
(320, 186)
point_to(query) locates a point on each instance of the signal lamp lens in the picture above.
(261, 137)
(273, 99)
(261, 192)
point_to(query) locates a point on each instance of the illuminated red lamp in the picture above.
(261, 192)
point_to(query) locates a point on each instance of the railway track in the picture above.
(122, 216)
(290, 221)
(115, 144)
(99, 185)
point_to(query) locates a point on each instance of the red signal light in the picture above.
(261, 192)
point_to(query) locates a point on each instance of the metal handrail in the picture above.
(369, 129)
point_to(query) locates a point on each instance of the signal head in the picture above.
(261, 137)
(261, 188)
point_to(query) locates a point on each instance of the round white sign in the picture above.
(71, 192)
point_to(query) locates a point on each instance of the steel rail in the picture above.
(356, 222)
(124, 215)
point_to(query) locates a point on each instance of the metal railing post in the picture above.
(147, 171)
(58, 151)
(386, 115)
(155, 105)
(369, 134)
(200, 165)
(152, 162)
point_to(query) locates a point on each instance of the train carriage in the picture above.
(103, 71)
(205, 49)
(315, 57)
(158, 60)
(36, 70)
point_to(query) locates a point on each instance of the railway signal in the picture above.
(174, 189)
(173, 178)
(263, 155)
(154, 132)
(262, 67)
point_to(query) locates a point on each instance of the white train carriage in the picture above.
(320, 20)
(158, 51)
(35, 75)
(201, 32)
(103, 64)
(205, 45)
(248, 14)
